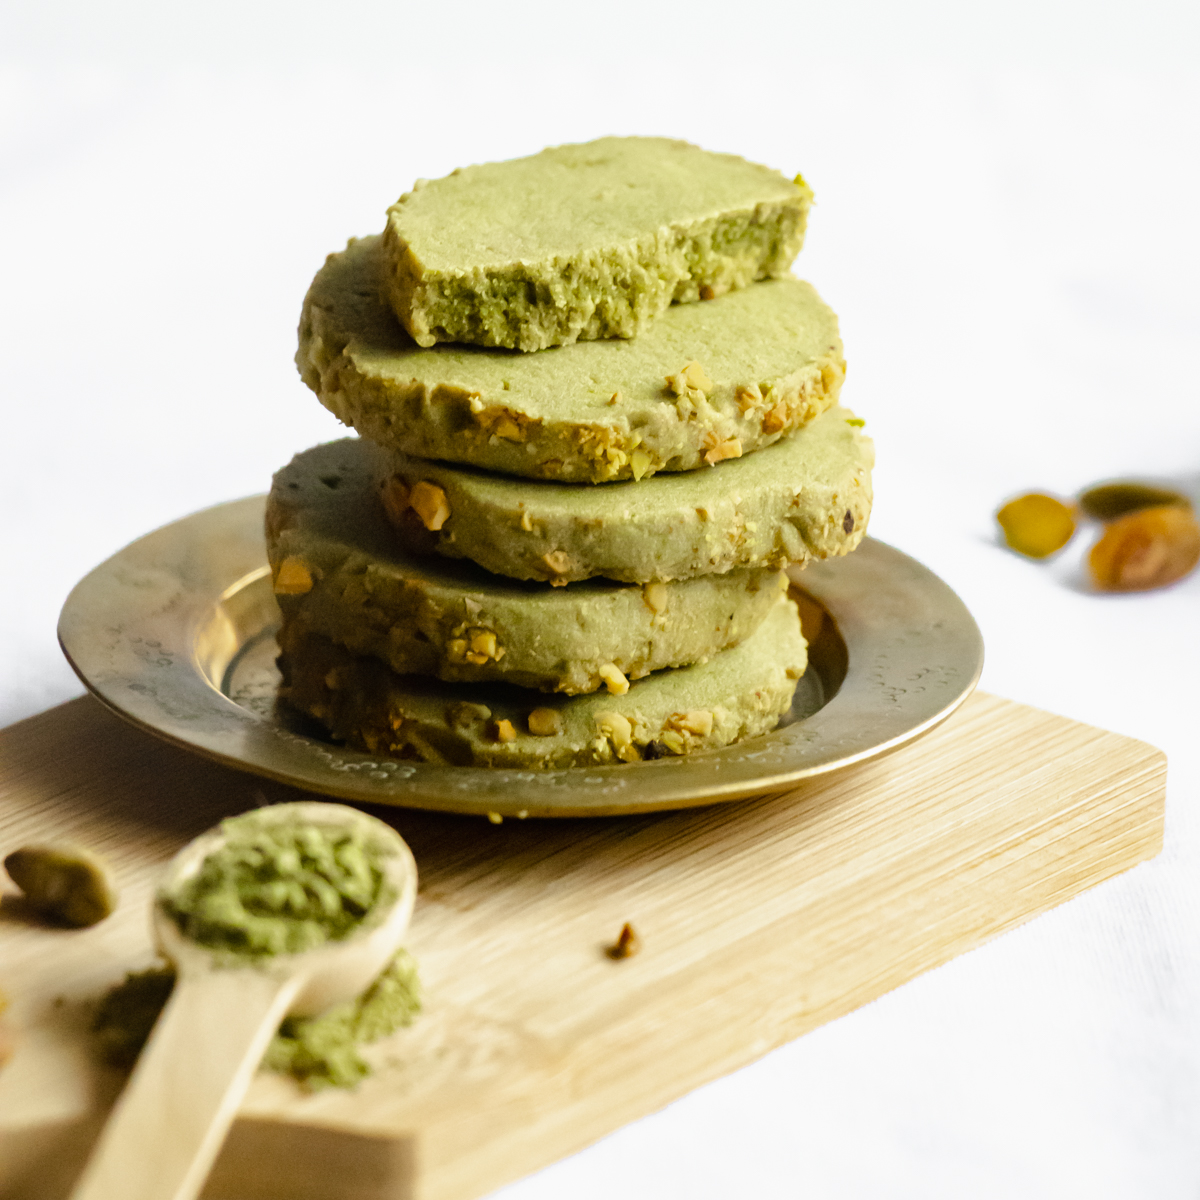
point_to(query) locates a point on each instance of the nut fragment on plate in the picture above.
(1149, 548)
(63, 882)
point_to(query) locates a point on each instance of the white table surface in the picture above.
(1005, 221)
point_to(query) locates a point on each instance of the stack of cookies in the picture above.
(597, 418)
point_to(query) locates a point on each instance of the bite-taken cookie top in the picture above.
(704, 383)
(740, 693)
(807, 496)
(339, 571)
(585, 241)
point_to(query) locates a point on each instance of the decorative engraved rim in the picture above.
(153, 630)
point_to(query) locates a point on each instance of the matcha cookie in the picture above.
(585, 241)
(805, 497)
(706, 382)
(338, 571)
(737, 694)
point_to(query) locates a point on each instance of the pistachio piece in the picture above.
(718, 449)
(640, 462)
(1036, 525)
(656, 596)
(507, 428)
(690, 377)
(1146, 549)
(293, 577)
(616, 730)
(464, 713)
(673, 742)
(1107, 501)
(696, 377)
(775, 419)
(614, 679)
(483, 641)
(64, 882)
(616, 727)
(698, 722)
(429, 502)
(748, 398)
(545, 722)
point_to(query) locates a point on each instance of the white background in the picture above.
(1006, 222)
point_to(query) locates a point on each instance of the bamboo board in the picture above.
(760, 920)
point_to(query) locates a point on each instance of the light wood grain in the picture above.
(188, 1084)
(760, 921)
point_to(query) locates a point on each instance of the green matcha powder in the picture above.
(320, 1051)
(273, 888)
(280, 888)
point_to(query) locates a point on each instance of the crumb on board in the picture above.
(627, 944)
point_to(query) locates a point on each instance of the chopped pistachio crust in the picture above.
(339, 571)
(806, 497)
(738, 694)
(585, 241)
(705, 382)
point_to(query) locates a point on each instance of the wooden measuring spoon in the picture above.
(168, 1124)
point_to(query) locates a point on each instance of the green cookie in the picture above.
(704, 383)
(585, 241)
(737, 694)
(805, 497)
(340, 571)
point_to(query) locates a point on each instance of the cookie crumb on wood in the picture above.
(627, 944)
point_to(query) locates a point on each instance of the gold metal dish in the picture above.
(176, 633)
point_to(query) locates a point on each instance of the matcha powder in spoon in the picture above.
(271, 887)
(277, 887)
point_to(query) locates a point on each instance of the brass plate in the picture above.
(176, 634)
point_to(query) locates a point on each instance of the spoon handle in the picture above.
(170, 1121)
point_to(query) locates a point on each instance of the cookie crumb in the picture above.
(627, 944)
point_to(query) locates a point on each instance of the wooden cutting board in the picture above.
(760, 920)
